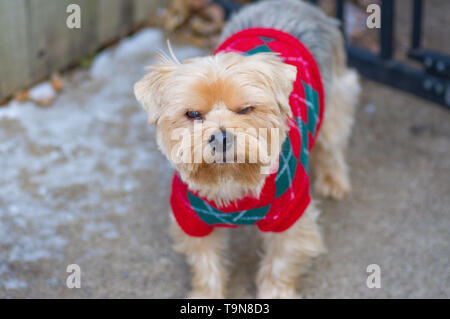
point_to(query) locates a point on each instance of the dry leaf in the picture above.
(177, 14)
(214, 12)
(44, 102)
(203, 27)
(22, 96)
(57, 82)
(196, 4)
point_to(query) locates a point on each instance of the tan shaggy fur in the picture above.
(219, 88)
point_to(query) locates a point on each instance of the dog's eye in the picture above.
(245, 110)
(194, 115)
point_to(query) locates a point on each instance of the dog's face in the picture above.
(211, 114)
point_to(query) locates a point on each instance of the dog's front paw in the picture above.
(275, 292)
(203, 294)
(336, 185)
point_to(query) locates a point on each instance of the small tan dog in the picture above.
(214, 99)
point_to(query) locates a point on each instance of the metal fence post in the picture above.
(387, 29)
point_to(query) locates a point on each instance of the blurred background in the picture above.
(82, 181)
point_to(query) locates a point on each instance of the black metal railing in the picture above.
(432, 82)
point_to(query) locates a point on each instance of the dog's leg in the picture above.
(205, 256)
(286, 256)
(328, 156)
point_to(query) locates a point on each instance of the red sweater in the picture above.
(285, 194)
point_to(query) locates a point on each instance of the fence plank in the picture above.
(84, 41)
(35, 41)
(109, 18)
(14, 49)
(48, 36)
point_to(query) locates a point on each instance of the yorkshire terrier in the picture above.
(239, 127)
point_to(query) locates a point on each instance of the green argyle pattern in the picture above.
(287, 162)
(211, 215)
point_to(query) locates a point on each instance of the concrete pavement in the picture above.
(83, 183)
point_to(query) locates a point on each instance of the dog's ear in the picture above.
(280, 76)
(149, 91)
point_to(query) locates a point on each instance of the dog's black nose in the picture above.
(221, 141)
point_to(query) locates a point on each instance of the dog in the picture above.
(281, 67)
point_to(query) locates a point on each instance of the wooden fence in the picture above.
(35, 40)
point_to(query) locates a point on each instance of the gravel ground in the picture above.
(83, 183)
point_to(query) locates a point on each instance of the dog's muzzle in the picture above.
(221, 141)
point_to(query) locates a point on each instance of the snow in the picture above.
(57, 163)
(370, 108)
(42, 91)
(14, 284)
